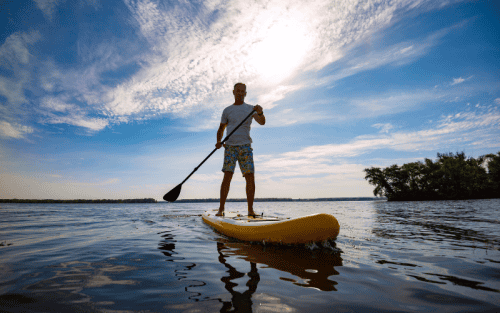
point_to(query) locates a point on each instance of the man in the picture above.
(238, 146)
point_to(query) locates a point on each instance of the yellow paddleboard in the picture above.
(306, 229)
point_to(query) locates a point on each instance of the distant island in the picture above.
(282, 199)
(146, 200)
(450, 177)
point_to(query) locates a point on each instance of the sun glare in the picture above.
(280, 52)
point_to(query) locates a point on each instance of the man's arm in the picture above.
(220, 133)
(259, 117)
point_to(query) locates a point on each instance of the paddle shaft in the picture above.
(224, 140)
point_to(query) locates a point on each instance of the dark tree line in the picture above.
(145, 200)
(450, 177)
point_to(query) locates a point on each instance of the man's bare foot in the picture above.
(220, 213)
(251, 213)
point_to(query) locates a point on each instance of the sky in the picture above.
(123, 99)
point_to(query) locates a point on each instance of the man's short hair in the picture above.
(240, 84)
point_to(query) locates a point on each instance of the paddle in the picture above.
(173, 194)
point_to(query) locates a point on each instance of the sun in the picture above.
(281, 51)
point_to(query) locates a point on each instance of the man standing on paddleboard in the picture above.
(238, 146)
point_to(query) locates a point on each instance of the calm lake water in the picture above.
(438, 256)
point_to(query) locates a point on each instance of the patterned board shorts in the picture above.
(243, 154)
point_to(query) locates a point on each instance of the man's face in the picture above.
(239, 92)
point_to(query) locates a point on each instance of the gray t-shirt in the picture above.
(232, 116)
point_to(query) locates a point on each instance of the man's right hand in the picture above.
(218, 145)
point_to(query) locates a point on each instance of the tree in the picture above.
(493, 166)
(452, 176)
(376, 177)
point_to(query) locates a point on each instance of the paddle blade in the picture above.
(173, 194)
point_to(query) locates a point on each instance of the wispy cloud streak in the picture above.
(459, 80)
(16, 61)
(17, 131)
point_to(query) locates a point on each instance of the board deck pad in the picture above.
(240, 217)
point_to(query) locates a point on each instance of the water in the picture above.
(393, 257)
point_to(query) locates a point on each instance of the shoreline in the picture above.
(146, 200)
(208, 200)
(282, 199)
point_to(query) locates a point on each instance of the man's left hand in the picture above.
(258, 109)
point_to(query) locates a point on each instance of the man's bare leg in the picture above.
(250, 178)
(224, 191)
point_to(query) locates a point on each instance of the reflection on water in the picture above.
(181, 269)
(241, 301)
(310, 268)
(167, 245)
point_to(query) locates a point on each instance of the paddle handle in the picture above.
(224, 140)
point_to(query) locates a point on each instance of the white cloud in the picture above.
(195, 52)
(268, 100)
(59, 110)
(405, 50)
(90, 123)
(196, 61)
(16, 59)
(77, 92)
(459, 80)
(497, 100)
(56, 104)
(14, 51)
(13, 90)
(51, 78)
(384, 128)
(17, 131)
(47, 7)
